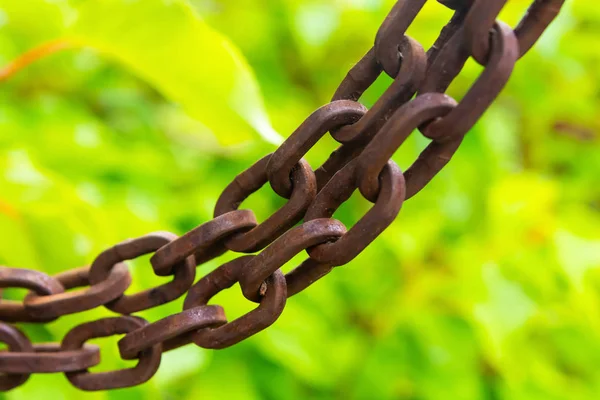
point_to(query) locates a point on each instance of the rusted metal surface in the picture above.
(92, 296)
(248, 182)
(387, 205)
(504, 54)
(291, 243)
(482, 17)
(16, 342)
(148, 363)
(329, 117)
(272, 301)
(170, 328)
(533, 24)
(394, 26)
(184, 273)
(405, 85)
(201, 240)
(371, 161)
(40, 283)
(49, 358)
(368, 139)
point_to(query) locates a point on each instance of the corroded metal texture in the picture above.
(368, 138)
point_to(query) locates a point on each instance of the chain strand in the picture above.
(368, 139)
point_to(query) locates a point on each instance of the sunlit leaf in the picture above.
(185, 59)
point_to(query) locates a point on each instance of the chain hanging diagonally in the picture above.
(402, 59)
(388, 55)
(367, 137)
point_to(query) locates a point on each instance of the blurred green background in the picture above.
(485, 287)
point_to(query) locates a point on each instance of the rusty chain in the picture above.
(368, 138)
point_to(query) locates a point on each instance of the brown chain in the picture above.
(368, 140)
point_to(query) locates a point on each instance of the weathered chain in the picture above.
(368, 140)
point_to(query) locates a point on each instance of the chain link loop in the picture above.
(148, 363)
(387, 205)
(49, 358)
(482, 17)
(248, 182)
(57, 305)
(309, 234)
(40, 283)
(271, 304)
(411, 73)
(204, 241)
(183, 273)
(170, 328)
(329, 117)
(17, 342)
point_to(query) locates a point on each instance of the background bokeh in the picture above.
(487, 286)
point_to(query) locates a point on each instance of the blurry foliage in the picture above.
(485, 287)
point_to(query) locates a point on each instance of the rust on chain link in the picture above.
(16, 342)
(49, 358)
(483, 14)
(184, 273)
(448, 131)
(387, 50)
(148, 363)
(201, 241)
(331, 116)
(368, 138)
(309, 234)
(272, 302)
(504, 53)
(411, 73)
(305, 274)
(387, 205)
(360, 77)
(539, 16)
(248, 182)
(446, 33)
(40, 283)
(376, 155)
(56, 305)
(170, 328)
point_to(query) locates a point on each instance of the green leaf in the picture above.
(166, 43)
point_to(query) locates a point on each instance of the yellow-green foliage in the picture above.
(485, 287)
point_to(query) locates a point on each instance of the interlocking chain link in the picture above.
(368, 139)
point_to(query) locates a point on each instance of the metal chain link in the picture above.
(368, 139)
